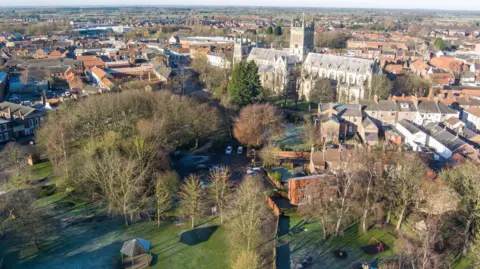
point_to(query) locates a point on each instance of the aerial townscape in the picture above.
(243, 137)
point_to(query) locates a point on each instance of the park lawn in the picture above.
(304, 239)
(88, 245)
(42, 170)
(279, 101)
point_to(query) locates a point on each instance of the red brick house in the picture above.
(17, 121)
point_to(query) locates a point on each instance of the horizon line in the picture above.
(243, 6)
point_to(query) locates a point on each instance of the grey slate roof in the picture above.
(412, 128)
(270, 55)
(427, 107)
(348, 110)
(340, 63)
(444, 136)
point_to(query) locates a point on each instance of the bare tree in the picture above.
(166, 186)
(220, 189)
(192, 201)
(312, 133)
(269, 155)
(248, 211)
(407, 175)
(247, 259)
(465, 179)
(318, 203)
(122, 183)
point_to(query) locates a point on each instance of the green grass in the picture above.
(85, 245)
(305, 240)
(42, 170)
(463, 263)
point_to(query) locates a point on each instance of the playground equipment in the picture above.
(380, 246)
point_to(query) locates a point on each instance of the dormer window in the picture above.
(404, 105)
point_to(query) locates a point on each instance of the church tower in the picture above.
(240, 50)
(301, 38)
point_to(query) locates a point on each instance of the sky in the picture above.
(470, 5)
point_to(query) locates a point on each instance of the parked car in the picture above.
(253, 170)
(240, 150)
(228, 151)
(201, 166)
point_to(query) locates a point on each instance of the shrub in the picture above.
(277, 176)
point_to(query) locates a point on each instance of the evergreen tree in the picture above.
(278, 31)
(244, 88)
(269, 30)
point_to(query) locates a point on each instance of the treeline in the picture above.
(111, 147)
(379, 189)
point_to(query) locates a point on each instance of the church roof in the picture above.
(339, 63)
(271, 55)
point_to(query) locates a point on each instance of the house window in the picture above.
(3, 127)
(1, 138)
(393, 113)
(5, 135)
(31, 122)
(36, 121)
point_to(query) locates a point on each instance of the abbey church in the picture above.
(299, 66)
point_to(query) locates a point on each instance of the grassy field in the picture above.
(293, 139)
(299, 240)
(80, 240)
(42, 170)
(279, 101)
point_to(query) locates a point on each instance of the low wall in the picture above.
(272, 205)
(283, 154)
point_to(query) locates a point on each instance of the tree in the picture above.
(166, 186)
(345, 184)
(438, 43)
(192, 201)
(335, 40)
(318, 203)
(220, 189)
(312, 132)
(465, 179)
(368, 177)
(248, 213)
(244, 87)
(247, 259)
(122, 182)
(412, 85)
(257, 123)
(12, 155)
(269, 30)
(321, 92)
(269, 155)
(407, 176)
(456, 68)
(278, 30)
(381, 86)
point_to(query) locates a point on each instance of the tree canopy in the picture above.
(381, 86)
(278, 31)
(244, 87)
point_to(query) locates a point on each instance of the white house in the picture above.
(471, 117)
(433, 111)
(432, 136)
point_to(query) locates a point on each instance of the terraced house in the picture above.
(17, 121)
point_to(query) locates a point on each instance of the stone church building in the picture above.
(352, 76)
(298, 67)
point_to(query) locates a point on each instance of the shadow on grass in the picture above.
(197, 236)
(283, 257)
